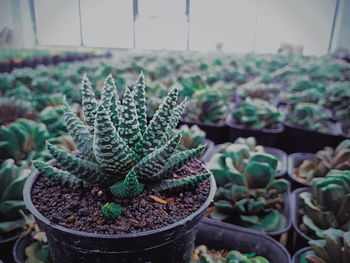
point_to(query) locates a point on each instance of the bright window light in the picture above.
(161, 24)
(298, 22)
(107, 23)
(58, 22)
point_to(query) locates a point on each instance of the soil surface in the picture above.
(79, 208)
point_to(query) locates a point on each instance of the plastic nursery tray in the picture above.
(219, 235)
(218, 133)
(19, 248)
(300, 238)
(6, 246)
(294, 161)
(266, 137)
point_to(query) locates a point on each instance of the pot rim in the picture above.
(298, 253)
(30, 206)
(295, 209)
(291, 165)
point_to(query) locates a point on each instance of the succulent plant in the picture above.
(308, 115)
(12, 109)
(327, 206)
(257, 114)
(192, 137)
(326, 160)
(52, 118)
(203, 255)
(12, 179)
(23, 140)
(38, 251)
(259, 91)
(207, 106)
(334, 247)
(119, 149)
(248, 194)
(337, 99)
(311, 95)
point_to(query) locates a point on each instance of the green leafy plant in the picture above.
(326, 160)
(307, 115)
(259, 91)
(248, 194)
(52, 118)
(257, 114)
(120, 149)
(327, 206)
(203, 255)
(192, 137)
(334, 247)
(12, 179)
(207, 106)
(23, 140)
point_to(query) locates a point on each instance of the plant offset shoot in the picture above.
(119, 149)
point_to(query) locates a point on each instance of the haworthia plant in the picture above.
(119, 150)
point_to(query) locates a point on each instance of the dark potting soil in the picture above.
(79, 208)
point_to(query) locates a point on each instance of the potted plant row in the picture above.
(128, 195)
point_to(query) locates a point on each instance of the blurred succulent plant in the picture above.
(121, 151)
(12, 179)
(334, 247)
(257, 114)
(192, 137)
(308, 115)
(207, 106)
(328, 205)
(337, 99)
(12, 109)
(259, 91)
(23, 140)
(248, 194)
(52, 118)
(203, 255)
(326, 160)
(311, 95)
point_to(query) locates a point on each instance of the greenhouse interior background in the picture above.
(175, 131)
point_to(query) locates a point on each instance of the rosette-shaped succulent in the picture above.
(257, 114)
(337, 99)
(328, 205)
(12, 179)
(247, 194)
(192, 137)
(334, 247)
(203, 255)
(119, 149)
(326, 160)
(308, 115)
(207, 106)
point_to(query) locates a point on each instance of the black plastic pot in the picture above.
(218, 133)
(297, 139)
(300, 238)
(173, 243)
(266, 137)
(209, 151)
(6, 246)
(18, 251)
(218, 235)
(294, 161)
(297, 255)
(344, 127)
